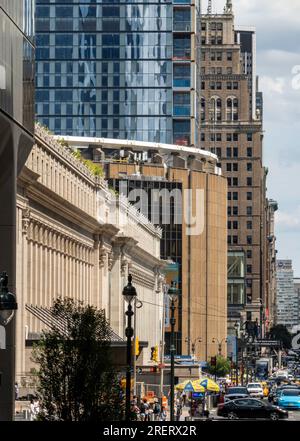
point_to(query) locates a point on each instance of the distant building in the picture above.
(287, 298)
(231, 127)
(297, 292)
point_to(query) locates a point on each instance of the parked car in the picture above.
(289, 399)
(255, 390)
(236, 392)
(250, 408)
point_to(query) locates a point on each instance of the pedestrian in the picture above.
(163, 414)
(178, 411)
(34, 409)
(16, 391)
(156, 410)
(183, 396)
(144, 409)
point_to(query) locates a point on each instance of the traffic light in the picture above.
(213, 361)
(154, 353)
(137, 348)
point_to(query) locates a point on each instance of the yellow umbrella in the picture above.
(181, 386)
(190, 386)
(208, 384)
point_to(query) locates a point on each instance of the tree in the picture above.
(76, 378)
(222, 367)
(281, 333)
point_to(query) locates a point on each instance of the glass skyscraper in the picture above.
(117, 69)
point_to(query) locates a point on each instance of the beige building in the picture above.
(200, 253)
(231, 127)
(69, 245)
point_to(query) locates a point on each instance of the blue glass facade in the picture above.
(105, 68)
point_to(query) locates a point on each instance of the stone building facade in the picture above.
(232, 128)
(69, 245)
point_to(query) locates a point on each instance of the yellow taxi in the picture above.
(265, 388)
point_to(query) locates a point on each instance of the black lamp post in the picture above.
(173, 295)
(129, 294)
(8, 303)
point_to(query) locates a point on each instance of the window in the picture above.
(235, 211)
(229, 182)
(229, 85)
(249, 137)
(232, 105)
(249, 240)
(229, 137)
(235, 152)
(229, 211)
(249, 211)
(249, 269)
(219, 56)
(249, 152)
(202, 136)
(235, 137)
(229, 196)
(229, 225)
(229, 56)
(235, 196)
(235, 225)
(249, 166)
(228, 167)
(219, 152)
(249, 182)
(249, 225)
(249, 254)
(229, 240)
(235, 85)
(249, 196)
(181, 75)
(235, 166)
(229, 70)
(235, 240)
(228, 152)
(235, 182)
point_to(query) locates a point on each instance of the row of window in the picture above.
(215, 40)
(234, 211)
(213, 26)
(218, 85)
(234, 182)
(217, 55)
(234, 225)
(216, 71)
(234, 196)
(232, 152)
(229, 137)
(233, 240)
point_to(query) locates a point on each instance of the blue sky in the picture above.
(277, 24)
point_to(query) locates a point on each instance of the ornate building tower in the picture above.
(231, 127)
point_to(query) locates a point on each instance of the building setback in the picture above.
(124, 70)
(231, 128)
(287, 297)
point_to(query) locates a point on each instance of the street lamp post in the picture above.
(215, 340)
(8, 303)
(129, 294)
(173, 295)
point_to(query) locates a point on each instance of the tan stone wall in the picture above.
(65, 249)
